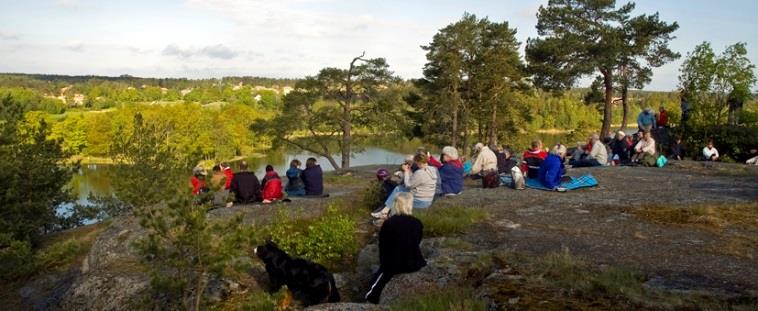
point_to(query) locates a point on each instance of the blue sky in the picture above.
(293, 38)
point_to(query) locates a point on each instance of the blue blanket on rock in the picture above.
(583, 181)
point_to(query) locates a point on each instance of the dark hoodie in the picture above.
(313, 178)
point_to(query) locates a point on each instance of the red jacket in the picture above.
(229, 175)
(663, 119)
(272, 187)
(533, 159)
(197, 185)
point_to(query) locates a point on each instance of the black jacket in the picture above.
(621, 148)
(504, 165)
(246, 187)
(313, 178)
(399, 241)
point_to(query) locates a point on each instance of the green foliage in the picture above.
(32, 174)
(16, 258)
(580, 38)
(454, 299)
(329, 107)
(443, 221)
(473, 70)
(327, 240)
(732, 142)
(717, 86)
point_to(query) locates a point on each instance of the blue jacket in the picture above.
(313, 178)
(551, 171)
(452, 178)
(645, 119)
(294, 183)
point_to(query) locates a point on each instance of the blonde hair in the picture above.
(403, 204)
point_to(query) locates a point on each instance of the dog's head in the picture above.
(268, 251)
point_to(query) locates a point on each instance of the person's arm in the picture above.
(259, 192)
(434, 162)
(706, 154)
(408, 179)
(595, 151)
(650, 148)
(477, 167)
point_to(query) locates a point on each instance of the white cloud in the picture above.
(219, 51)
(8, 36)
(74, 45)
(68, 3)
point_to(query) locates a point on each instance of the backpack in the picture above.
(661, 162)
(491, 180)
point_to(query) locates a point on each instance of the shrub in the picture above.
(16, 258)
(732, 142)
(373, 195)
(327, 240)
(443, 221)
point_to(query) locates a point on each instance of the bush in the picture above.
(328, 240)
(16, 258)
(732, 142)
(442, 221)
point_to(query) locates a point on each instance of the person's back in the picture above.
(313, 178)
(272, 186)
(451, 175)
(229, 174)
(599, 153)
(399, 240)
(551, 171)
(423, 183)
(531, 162)
(246, 186)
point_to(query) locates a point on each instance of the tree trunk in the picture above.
(607, 109)
(456, 104)
(466, 130)
(493, 126)
(346, 141)
(625, 104)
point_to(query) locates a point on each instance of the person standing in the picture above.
(246, 186)
(399, 246)
(663, 118)
(646, 120)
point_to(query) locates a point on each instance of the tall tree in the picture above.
(325, 109)
(584, 37)
(472, 68)
(716, 84)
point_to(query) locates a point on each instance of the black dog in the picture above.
(309, 282)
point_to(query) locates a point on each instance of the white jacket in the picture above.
(485, 161)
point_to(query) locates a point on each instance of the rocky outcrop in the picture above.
(111, 277)
(347, 306)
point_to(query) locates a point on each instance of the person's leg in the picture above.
(506, 180)
(421, 204)
(389, 203)
(378, 281)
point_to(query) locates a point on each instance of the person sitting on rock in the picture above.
(313, 178)
(552, 169)
(644, 151)
(399, 246)
(532, 159)
(422, 185)
(385, 183)
(620, 149)
(486, 166)
(752, 157)
(295, 186)
(597, 155)
(245, 186)
(197, 181)
(710, 153)
(677, 150)
(272, 186)
(450, 171)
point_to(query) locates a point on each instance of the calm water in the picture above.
(94, 178)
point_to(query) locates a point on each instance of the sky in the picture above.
(295, 38)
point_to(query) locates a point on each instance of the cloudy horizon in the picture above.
(292, 38)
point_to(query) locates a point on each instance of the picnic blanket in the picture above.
(573, 183)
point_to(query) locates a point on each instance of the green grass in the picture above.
(452, 299)
(443, 221)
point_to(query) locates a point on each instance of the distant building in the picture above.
(185, 91)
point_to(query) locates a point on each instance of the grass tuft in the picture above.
(443, 221)
(453, 299)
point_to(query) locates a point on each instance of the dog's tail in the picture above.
(334, 294)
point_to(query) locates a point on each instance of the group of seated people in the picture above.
(244, 187)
